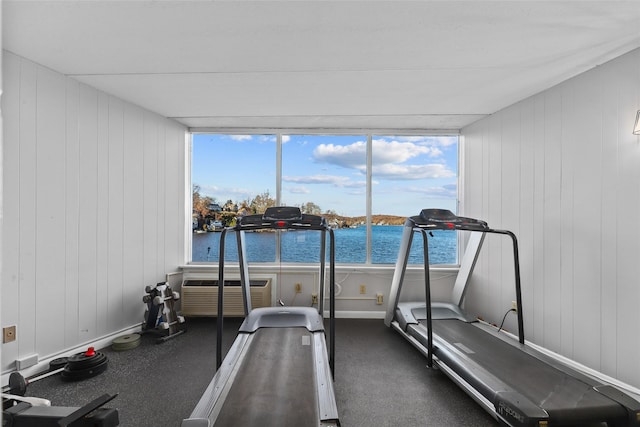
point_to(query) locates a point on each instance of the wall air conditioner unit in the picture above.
(200, 297)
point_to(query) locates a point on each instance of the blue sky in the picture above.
(409, 173)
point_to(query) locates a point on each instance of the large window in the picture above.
(327, 175)
(410, 173)
(364, 185)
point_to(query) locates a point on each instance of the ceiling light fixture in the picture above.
(636, 128)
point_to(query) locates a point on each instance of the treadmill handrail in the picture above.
(278, 218)
(428, 286)
(441, 219)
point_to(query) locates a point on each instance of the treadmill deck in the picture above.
(274, 385)
(492, 365)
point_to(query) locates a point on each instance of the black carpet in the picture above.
(380, 380)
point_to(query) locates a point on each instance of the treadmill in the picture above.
(278, 371)
(515, 383)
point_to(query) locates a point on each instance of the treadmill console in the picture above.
(444, 219)
(285, 213)
(281, 217)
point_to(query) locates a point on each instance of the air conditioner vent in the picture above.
(200, 297)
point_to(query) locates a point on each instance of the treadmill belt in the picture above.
(562, 396)
(275, 385)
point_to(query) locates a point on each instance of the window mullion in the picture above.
(368, 196)
(278, 189)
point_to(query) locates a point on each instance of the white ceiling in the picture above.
(329, 64)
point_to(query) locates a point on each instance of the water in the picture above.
(304, 246)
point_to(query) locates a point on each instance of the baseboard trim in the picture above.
(43, 364)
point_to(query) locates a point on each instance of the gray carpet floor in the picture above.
(380, 380)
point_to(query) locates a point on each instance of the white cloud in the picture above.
(392, 153)
(336, 181)
(444, 192)
(436, 141)
(355, 184)
(317, 179)
(241, 137)
(298, 190)
(351, 156)
(397, 152)
(410, 172)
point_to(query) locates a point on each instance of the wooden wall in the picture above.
(562, 170)
(94, 196)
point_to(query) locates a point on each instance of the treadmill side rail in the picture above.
(195, 422)
(327, 406)
(632, 406)
(213, 397)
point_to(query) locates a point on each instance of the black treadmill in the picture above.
(517, 384)
(278, 371)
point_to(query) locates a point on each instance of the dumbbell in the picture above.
(160, 299)
(166, 325)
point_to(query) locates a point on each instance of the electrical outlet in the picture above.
(314, 298)
(514, 306)
(298, 288)
(363, 289)
(8, 334)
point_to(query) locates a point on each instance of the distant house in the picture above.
(230, 207)
(214, 207)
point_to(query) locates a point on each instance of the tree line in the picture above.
(209, 208)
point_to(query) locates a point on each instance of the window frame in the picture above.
(278, 133)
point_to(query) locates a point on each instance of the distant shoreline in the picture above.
(350, 221)
(335, 220)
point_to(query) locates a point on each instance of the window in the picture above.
(410, 173)
(326, 175)
(237, 173)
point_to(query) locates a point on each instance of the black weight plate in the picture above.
(81, 361)
(17, 384)
(82, 374)
(58, 363)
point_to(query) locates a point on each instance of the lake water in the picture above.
(304, 246)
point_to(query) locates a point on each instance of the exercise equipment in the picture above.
(517, 384)
(34, 412)
(160, 315)
(58, 363)
(18, 384)
(278, 371)
(33, 401)
(126, 342)
(85, 365)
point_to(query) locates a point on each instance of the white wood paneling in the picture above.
(586, 152)
(11, 211)
(608, 238)
(87, 237)
(134, 213)
(564, 174)
(50, 210)
(101, 218)
(86, 206)
(628, 208)
(115, 216)
(26, 292)
(526, 195)
(72, 217)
